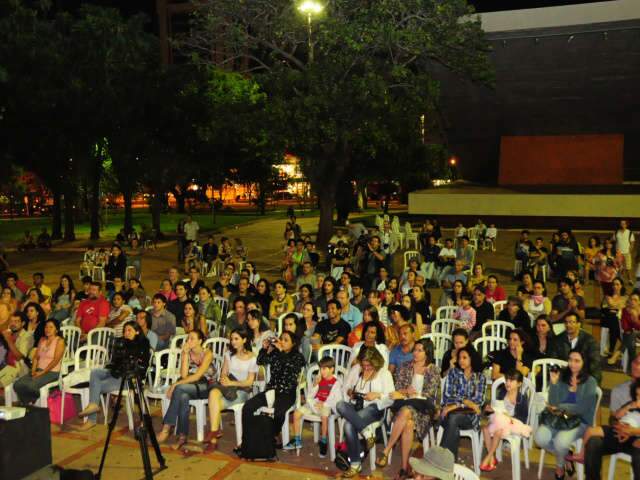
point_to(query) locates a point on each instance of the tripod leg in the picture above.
(112, 425)
(146, 427)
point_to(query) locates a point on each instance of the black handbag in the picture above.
(421, 405)
(559, 419)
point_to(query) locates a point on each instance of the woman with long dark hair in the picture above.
(104, 380)
(45, 366)
(286, 363)
(36, 318)
(63, 298)
(612, 307)
(462, 398)
(573, 391)
(239, 369)
(263, 294)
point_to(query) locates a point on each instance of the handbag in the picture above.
(559, 419)
(229, 393)
(54, 402)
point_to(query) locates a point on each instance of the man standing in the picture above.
(624, 244)
(163, 322)
(374, 258)
(348, 312)
(93, 310)
(617, 437)
(191, 229)
(389, 243)
(576, 338)
(19, 343)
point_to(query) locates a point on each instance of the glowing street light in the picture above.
(309, 8)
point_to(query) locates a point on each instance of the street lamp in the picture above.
(309, 8)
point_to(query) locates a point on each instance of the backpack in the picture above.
(258, 439)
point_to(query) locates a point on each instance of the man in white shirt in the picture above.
(389, 244)
(191, 229)
(624, 244)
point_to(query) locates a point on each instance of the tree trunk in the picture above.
(262, 199)
(69, 214)
(156, 208)
(56, 216)
(326, 202)
(94, 205)
(127, 193)
(362, 195)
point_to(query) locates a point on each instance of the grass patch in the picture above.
(12, 231)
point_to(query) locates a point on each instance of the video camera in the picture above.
(129, 358)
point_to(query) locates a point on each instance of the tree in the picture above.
(370, 59)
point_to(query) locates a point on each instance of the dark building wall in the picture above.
(562, 81)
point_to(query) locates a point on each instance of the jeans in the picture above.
(629, 344)
(610, 321)
(28, 388)
(355, 422)
(597, 447)
(101, 381)
(282, 403)
(178, 411)
(558, 442)
(452, 424)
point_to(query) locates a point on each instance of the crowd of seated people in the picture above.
(384, 322)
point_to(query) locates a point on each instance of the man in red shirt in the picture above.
(93, 310)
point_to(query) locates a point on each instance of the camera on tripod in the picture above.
(129, 358)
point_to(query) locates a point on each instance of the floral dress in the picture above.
(404, 379)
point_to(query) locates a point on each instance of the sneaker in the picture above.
(323, 449)
(294, 444)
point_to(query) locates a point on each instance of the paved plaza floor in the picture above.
(264, 240)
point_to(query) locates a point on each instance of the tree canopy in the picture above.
(350, 87)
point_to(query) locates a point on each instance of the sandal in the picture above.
(164, 434)
(180, 442)
(490, 467)
(210, 435)
(383, 461)
(574, 458)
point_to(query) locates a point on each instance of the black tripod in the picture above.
(143, 428)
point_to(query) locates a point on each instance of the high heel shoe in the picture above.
(383, 461)
(558, 477)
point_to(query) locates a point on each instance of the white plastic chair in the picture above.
(177, 341)
(410, 235)
(98, 275)
(441, 344)
(395, 231)
(88, 357)
(102, 337)
(223, 303)
(515, 440)
(460, 472)
(341, 354)
(445, 312)
(577, 445)
(445, 325)
(487, 345)
(540, 397)
(408, 255)
(625, 457)
(218, 346)
(497, 307)
(71, 337)
(160, 378)
(497, 328)
(281, 320)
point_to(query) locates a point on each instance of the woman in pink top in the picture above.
(45, 365)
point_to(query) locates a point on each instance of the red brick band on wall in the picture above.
(562, 160)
